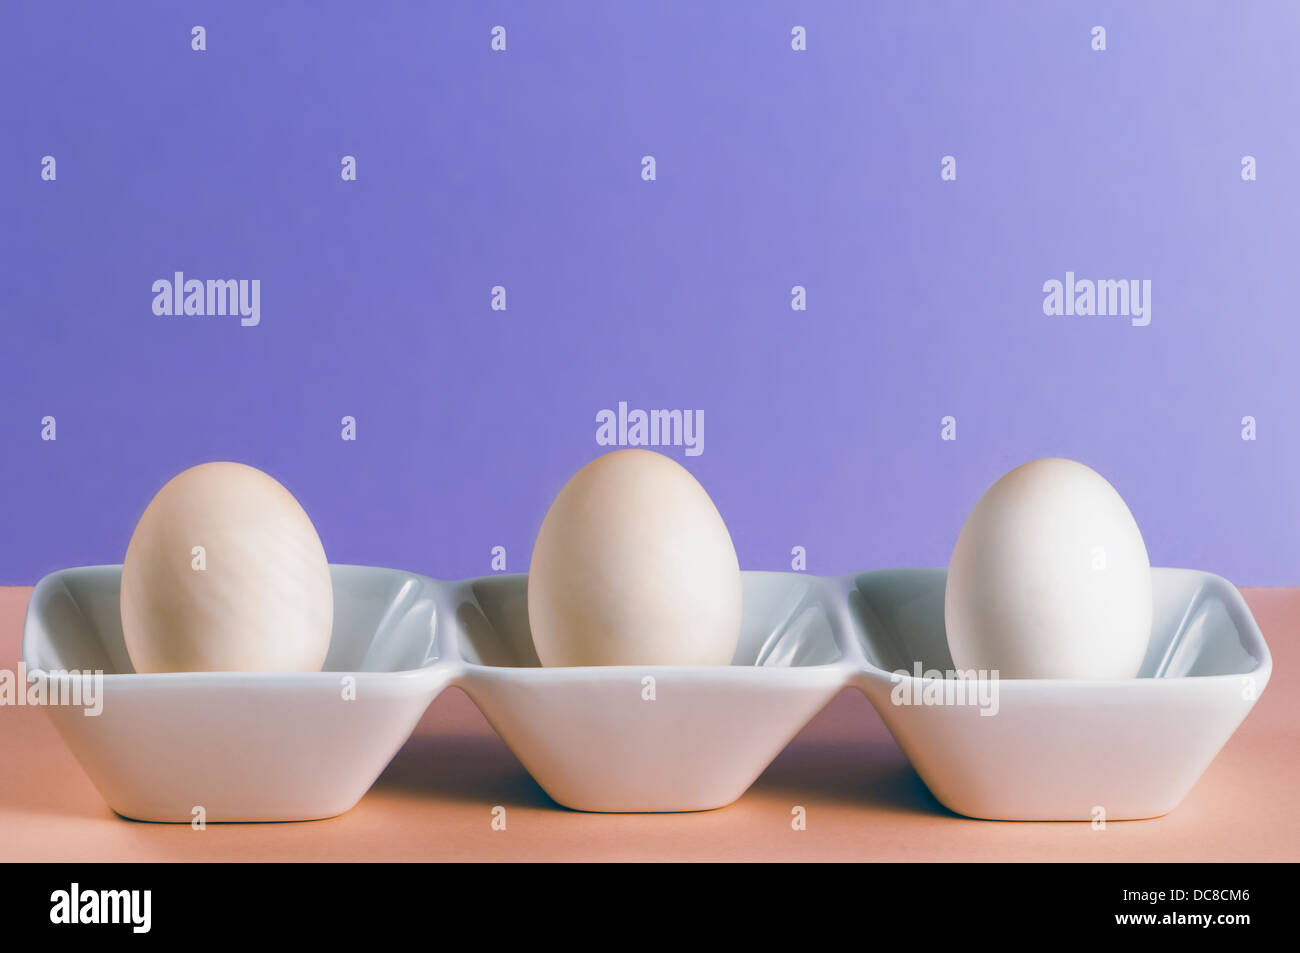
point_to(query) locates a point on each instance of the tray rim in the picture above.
(853, 664)
(1243, 618)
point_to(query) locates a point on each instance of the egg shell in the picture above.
(1050, 579)
(256, 597)
(633, 565)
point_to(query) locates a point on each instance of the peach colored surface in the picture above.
(863, 801)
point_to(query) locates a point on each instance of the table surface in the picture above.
(863, 800)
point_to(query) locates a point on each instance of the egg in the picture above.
(633, 565)
(225, 572)
(1049, 579)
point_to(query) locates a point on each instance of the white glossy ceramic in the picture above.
(268, 747)
(1061, 749)
(243, 746)
(652, 738)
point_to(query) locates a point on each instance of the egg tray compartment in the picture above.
(242, 746)
(298, 746)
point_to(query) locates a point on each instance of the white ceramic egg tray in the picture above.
(300, 746)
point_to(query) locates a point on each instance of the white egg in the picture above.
(225, 572)
(633, 565)
(1049, 579)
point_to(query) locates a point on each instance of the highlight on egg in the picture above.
(225, 572)
(633, 565)
(1049, 579)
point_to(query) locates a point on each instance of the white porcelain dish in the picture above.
(242, 746)
(1061, 749)
(271, 747)
(652, 738)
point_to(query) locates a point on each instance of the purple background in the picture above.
(775, 168)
